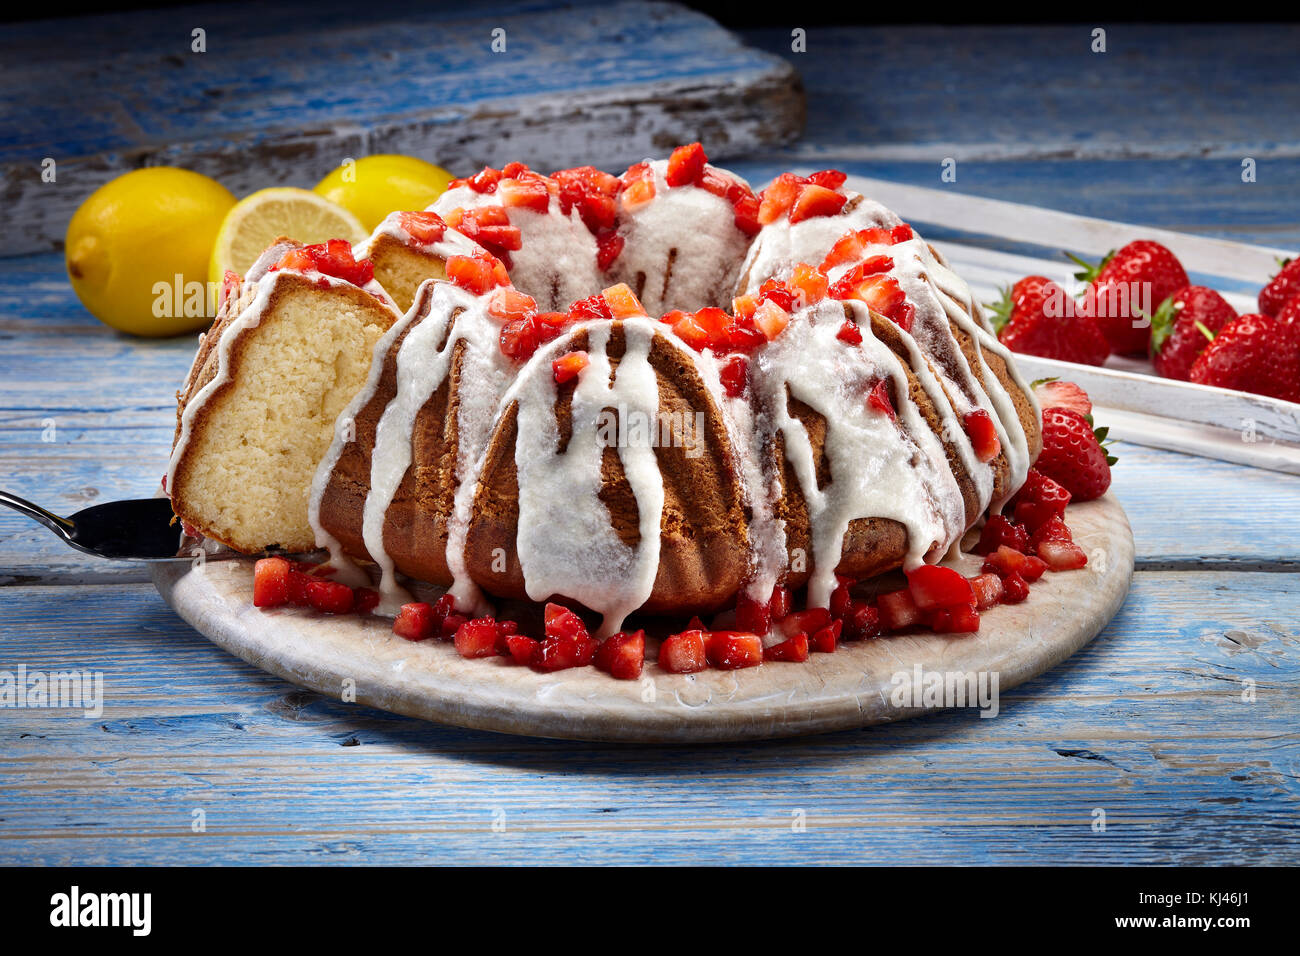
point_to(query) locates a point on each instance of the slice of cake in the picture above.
(291, 344)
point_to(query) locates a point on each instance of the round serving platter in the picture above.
(862, 683)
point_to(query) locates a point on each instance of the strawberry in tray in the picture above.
(1182, 327)
(1281, 289)
(1253, 353)
(1126, 288)
(1036, 317)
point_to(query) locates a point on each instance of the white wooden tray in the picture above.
(853, 687)
(1135, 403)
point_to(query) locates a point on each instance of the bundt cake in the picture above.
(771, 389)
(291, 344)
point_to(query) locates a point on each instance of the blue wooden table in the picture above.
(1177, 726)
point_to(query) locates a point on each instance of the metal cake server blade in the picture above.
(135, 530)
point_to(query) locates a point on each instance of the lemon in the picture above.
(259, 219)
(137, 250)
(374, 186)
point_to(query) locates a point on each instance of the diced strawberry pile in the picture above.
(802, 197)
(854, 246)
(332, 258)
(279, 581)
(688, 166)
(490, 227)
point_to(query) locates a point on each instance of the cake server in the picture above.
(136, 530)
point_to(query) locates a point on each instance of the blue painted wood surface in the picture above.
(1148, 723)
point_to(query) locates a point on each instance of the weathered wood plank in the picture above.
(187, 727)
(607, 83)
(1161, 91)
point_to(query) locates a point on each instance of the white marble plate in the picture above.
(853, 687)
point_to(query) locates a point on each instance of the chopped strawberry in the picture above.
(962, 619)
(568, 366)
(847, 285)
(753, 616)
(733, 650)
(477, 638)
(746, 211)
(771, 319)
(686, 165)
(824, 640)
(897, 610)
(592, 307)
(1033, 568)
(561, 653)
(849, 333)
(828, 178)
(298, 582)
(477, 274)
(734, 373)
(484, 181)
(509, 303)
(1039, 499)
(1014, 589)
(999, 531)
(988, 590)
(937, 587)
(841, 599)
(1055, 393)
(1054, 529)
(561, 622)
(332, 258)
(529, 192)
(366, 600)
(622, 301)
(794, 649)
(1005, 560)
(808, 285)
(521, 649)
(880, 399)
(230, 285)
(622, 655)
(777, 198)
(415, 621)
(683, 653)
(983, 434)
(423, 227)
(779, 605)
(806, 622)
(609, 246)
(861, 621)
(1062, 555)
(901, 233)
(450, 625)
(814, 200)
(638, 194)
(271, 582)
(520, 338)
(330, 597)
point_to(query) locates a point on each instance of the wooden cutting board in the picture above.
(860, 684)
(282, 97)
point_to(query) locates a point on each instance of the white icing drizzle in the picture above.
(698, 228)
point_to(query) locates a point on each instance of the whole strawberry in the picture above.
(1125, 288)
(1036, 317)
(1281, 288)
(1289, 314)
(1254, 353)
(1073, 455)
(1183, 326)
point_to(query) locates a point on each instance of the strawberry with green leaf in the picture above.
(1142, 273)
(1034, 318)
(1182, 327)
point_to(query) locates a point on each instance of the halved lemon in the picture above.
(257, 220)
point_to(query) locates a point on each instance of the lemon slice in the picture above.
(257, 220)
